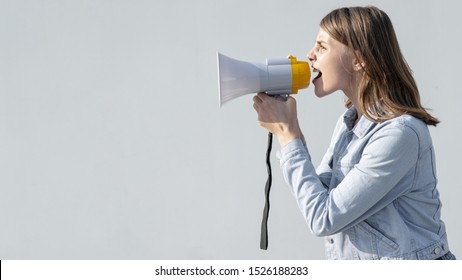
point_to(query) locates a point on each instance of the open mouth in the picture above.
(317, 76)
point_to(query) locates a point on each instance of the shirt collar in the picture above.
(363, 125)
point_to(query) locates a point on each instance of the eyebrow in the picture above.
(321, 42)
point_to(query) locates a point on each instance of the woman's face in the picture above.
(334, 64)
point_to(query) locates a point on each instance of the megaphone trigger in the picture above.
(281, 97)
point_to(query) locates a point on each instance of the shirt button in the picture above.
(437, 250)
(330, 240)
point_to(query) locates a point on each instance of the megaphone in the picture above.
(275, 77)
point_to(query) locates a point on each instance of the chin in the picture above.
(321, 94)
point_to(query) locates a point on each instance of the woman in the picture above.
(374, 194)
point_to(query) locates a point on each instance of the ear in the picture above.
(358, 62)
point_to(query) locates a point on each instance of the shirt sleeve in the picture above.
(389, 156)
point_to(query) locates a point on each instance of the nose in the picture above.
(311, 55)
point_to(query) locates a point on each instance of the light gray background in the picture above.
(112, 145)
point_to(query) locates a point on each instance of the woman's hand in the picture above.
(278, 116)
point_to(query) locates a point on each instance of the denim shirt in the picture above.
(374, 194)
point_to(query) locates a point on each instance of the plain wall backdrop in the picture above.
(113, 146)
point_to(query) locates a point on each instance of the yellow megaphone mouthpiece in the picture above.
(301, 74)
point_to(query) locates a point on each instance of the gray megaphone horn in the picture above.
(275, 77)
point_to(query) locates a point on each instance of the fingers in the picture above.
(262, 100)
(257, 99)
(260, 97)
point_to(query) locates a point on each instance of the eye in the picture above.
(321, 48)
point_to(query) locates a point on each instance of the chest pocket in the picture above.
(346, 154)
(342, 169)
(343, 164)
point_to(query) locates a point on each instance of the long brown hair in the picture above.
(387, 89)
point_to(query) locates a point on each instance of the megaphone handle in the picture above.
(264, 222)
(282, 97)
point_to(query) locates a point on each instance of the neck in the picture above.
(354, 99)
(352, 92)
